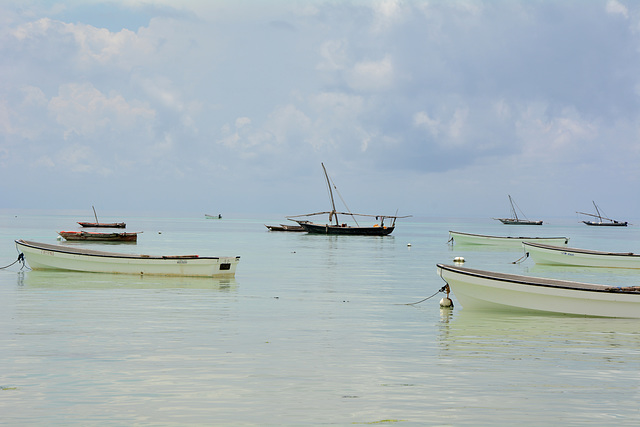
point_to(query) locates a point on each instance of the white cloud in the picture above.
(614, 7)
(387, 13)
(559, 138)
(446, 131)
(372, 75)
(422, 119)
(93, 46)
(84, 110)
(334, 55)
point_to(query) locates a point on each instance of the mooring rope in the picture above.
(442, 289)
(20, 259)
(521, 259)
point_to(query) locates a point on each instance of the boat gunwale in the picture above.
(105, 254)
(537, 281)
(579, 251)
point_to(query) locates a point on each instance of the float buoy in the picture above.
(446, 303)
(458, 259)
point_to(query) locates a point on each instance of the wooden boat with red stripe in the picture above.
(94, 236)
(103, 224)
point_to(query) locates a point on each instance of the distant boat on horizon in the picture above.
(515, 220)
(608, 222)
(92, 236)
(99, 224)
(342, 228)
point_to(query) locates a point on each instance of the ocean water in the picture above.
(313, 330)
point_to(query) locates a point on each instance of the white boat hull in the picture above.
(483, 290)
(41, 256)
(553, 255)
(512, 242)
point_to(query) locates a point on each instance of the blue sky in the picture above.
(431, 108)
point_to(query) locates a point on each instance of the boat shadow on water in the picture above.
(62, 280)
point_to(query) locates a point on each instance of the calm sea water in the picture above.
(313, 330)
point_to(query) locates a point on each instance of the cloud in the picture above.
(334, 56)
(387, 13)
(469, 91)
(89, 46)
(83, 110)
(372, 75)
(614, 7)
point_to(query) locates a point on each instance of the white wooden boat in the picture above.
(491, 291)
(284, 227)
(515, 220)
(43, 256)
(506, 241)
(555, 255)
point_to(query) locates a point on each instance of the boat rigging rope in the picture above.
(20, 259)
(442, 289)
(343, 202)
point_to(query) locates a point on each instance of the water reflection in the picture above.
(79, 280)
(489, 335)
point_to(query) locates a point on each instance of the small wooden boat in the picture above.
(103, 224)
(555, 255)
(602, 220)
(99, 224)
(515, 220)
(343, 228)
(43, 256)
(506, 241)
(219, 216)
(284, 227)
(91, 236)
(486, 290)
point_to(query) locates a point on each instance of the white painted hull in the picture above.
(41, 256)
(488, 291)
(553, 255)
(512, 242)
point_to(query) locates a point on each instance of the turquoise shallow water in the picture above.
(313, 330)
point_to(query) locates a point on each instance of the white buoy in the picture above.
(409, 244)
(59, 238)
(458, 259)
(446, 303)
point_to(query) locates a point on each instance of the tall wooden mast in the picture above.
(333, 205)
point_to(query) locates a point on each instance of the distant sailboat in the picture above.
(514, 220)
(99, 224)
(607, 221)
(342, 228)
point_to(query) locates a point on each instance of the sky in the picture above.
(424, 108)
